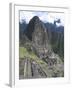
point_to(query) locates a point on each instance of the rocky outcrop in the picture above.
(37, 33)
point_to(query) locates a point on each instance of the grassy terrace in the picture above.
(23, 52)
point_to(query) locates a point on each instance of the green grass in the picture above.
(23, 52)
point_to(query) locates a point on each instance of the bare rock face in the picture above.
(40, 39)
(30, 27)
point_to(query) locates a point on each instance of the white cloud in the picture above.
(25, 15)
(57, 16)
(44, 16)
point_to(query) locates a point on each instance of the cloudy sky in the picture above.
(44, 16)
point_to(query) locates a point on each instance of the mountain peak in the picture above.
(31, 26)
(35, 18)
